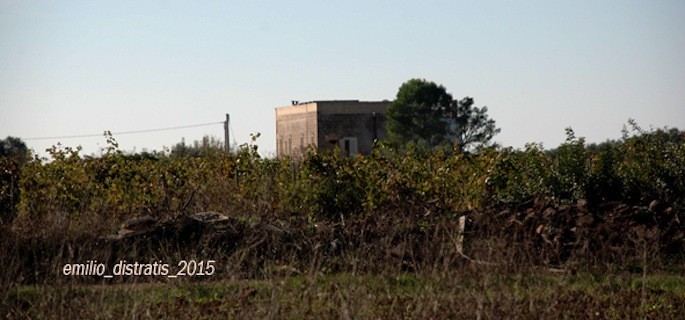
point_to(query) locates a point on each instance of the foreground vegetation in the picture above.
(578, 231)
(483, 294)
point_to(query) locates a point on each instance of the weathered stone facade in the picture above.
(350, 124)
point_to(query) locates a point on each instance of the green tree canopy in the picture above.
(471, 126)
(14, 147)
(417, 113)
(424, 113)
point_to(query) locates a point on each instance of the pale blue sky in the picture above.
(80, 67)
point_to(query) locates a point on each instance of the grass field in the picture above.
(474, 293)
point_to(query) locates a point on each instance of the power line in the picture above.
(126, 132)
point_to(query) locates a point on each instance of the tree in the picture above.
(417, 114)
(14, 147)
(208, 145)
(471, 126)
(13, 155)
(425, 113)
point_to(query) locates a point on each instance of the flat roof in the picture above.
(341, 107)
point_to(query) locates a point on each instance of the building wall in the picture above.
(296, 128)
(349, 124)
(340, 120)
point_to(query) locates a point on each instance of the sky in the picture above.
(82, 67)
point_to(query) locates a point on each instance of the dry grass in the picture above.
(467, 294)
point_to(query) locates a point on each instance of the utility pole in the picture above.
(227, 142)
(375, 125)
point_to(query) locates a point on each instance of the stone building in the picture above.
(352, 125)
